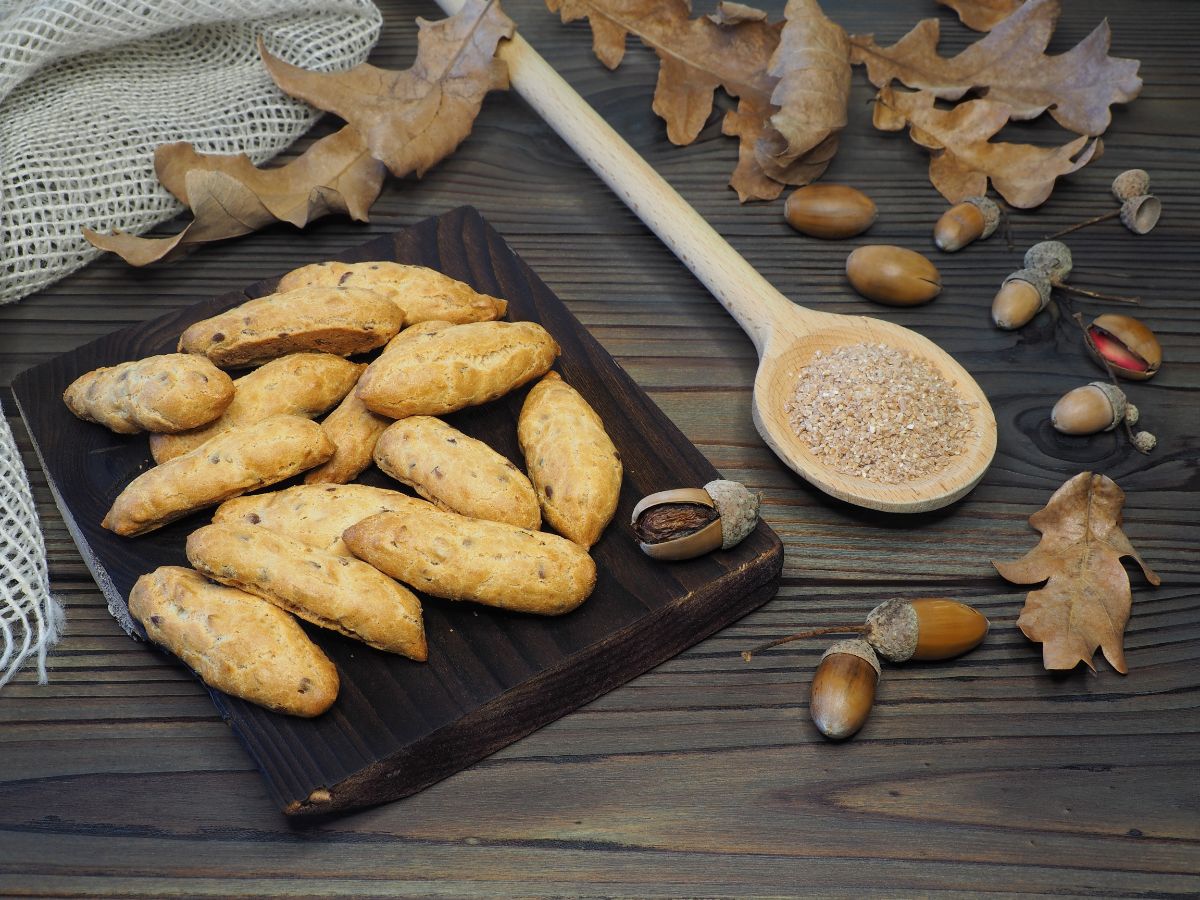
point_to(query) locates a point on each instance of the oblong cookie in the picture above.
(166, 393)
(240, 460)
(458, 558)
(300, 384)
(572, 462)
(235, 642)
(335, 592)
(424, 294)
(314, 514)
(464, 365)
(339, 320)
(457, 472)
(354, 429)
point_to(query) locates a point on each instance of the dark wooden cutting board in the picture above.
(492, 676)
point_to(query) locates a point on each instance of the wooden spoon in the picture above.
(785, 335)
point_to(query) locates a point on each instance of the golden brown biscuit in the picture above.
(301, 384)
(240, 460)
(452, 556)
(172, 392)
(339, 320)
(354, 429)
(314, 514)
(457, 472)
(235, 642)
(571, 460)
(424, 294)
(336, 592)
(464, 365)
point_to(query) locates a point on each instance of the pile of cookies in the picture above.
(348, 556)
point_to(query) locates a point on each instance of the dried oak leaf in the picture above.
(812, 64)
(1011, 67)
(982, 15)
(1085, 603)
(730, 49)
(413, 119)
(229, 196)
(963, 159)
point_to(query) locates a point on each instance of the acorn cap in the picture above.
(991, 214)
(738, 508)
(1037, 278)
(1116, 397)
(1131, 183)
(1145, 441)
(1140, 214)
(1050, 257)
(892, 629)
(856, 647)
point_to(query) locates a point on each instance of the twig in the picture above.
(1084, 224)
(1095, 295)
(832, 629)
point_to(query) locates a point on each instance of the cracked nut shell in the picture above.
(688, 522)
(1130, 348)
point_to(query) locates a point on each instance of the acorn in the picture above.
(829, 211)
(972, 220)
(1130, 348)
(893, 275)
(1095, 407)
(843, 688)
(928, 628)
(688, 522)
(1022, 295)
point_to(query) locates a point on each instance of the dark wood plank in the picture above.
(704, 777)
(492, 676)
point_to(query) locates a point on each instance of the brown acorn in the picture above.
(1022, 296)
(829, 211)
(972, 220)
(1131, 349)
(1095, 407)
(843, 688)
(688, 522)
(928, 628)
(893, 275)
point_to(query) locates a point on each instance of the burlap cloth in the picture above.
(88, 89)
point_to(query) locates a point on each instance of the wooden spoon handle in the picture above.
(752, 300)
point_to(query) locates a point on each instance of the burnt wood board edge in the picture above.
(492, 677)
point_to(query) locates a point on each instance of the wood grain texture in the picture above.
(705, 777)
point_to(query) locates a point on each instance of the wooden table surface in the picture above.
(705, 777)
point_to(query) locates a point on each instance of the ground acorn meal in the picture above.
(878, 413)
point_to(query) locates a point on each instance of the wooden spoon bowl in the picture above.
(785, 335)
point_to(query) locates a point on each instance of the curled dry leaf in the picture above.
(812, 64)
(1010, 64)
(229, 196)
(730, 49)
(982, 15)
(415, 118)
(962, 156)
(1085, 603)
(791, 81)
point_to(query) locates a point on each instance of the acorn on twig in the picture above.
(1026, 292)
(688, 522)
(1140, 210)
(974, 219)
(925, 629)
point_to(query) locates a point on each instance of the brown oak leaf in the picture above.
(413, 119)
(1009, 65)
(962, 156)
(229, 196)
(982, 15)
(730, 49)
(1085, 603)
(812, 64)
